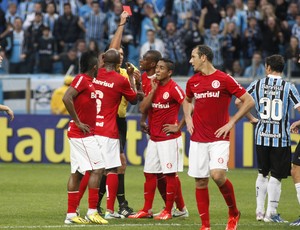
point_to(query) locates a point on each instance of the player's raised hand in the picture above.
(137, 75)
(123, 17)
(154, 84)
(129, 68)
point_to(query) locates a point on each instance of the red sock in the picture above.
(73, 201)
(93, 198)
(202, 198)
(228, 193)
(171, 191)
(178, 196)
(83, 184)
(102, 189)
(149, 190)
(112, 189)
(161, 185)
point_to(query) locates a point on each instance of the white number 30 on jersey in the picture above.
(271, 109)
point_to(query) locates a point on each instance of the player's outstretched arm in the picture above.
(117, 38)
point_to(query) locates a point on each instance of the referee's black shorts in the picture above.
(296, 157)
(122, 127)
(274, 160)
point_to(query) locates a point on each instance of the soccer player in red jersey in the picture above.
(165, 150)
(124, 209)
(80, 101)
(110, 87)
(209, 127)
(148, 65)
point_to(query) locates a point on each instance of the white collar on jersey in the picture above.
(152, 76)
(274, 76)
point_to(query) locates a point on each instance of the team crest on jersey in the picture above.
(221, 160)
(169, 165)
(166, 95)
(215, 84)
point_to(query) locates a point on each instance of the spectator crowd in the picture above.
(49, 36)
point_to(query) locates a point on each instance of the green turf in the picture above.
(33, 196)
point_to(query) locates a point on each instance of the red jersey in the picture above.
(146, 83)
(110, 87)
(84, 104)
(164, 110)
(212, 94)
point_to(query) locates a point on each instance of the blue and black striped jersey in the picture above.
(273, 97)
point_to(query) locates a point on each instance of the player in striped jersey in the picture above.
(273, 98)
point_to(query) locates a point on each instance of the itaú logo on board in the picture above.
(207, 94)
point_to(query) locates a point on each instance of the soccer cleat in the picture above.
(96, 218)
(260, 216)
(113, 215)
(295, 223)
(276, 218)
(204, 228)
(158, 213)
(183, 213)
(141, 214)
(125, 210)
(76, 220)
(164, 215)
(233, 222)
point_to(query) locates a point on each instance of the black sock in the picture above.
(121, 189)
(102, 189)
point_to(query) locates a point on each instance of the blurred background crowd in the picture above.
(49, 36)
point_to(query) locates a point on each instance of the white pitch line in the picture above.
(92, 226)
(116, 225)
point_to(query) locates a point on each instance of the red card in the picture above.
(127, 9)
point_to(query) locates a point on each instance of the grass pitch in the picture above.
(34, 196)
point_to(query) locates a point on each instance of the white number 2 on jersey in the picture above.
(271, 108)
(99, 95)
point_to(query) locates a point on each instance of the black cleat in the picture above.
(125, 210)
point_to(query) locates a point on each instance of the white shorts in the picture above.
(164, 156)
(204, 157)
(110, 151)
(85, 154)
